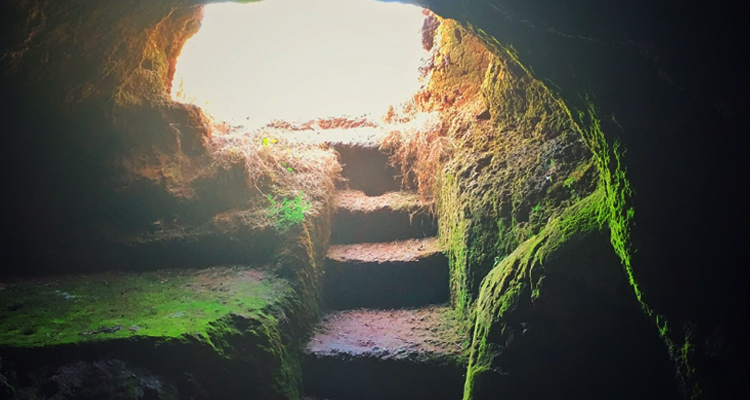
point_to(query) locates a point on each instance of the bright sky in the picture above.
(301, 59)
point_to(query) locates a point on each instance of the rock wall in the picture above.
(672, 89)
(534, 210)
(94, 135)
(104, 163)
(111, 65)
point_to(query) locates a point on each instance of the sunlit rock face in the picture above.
(88, 85)
(104, 61)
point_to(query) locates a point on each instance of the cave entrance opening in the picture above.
(301, 60)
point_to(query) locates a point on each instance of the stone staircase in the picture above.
(387, 333)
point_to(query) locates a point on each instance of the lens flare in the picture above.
(298, 60)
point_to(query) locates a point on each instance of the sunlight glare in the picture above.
(298, 60)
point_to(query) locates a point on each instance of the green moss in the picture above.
(506, 180)
(619, 215)
(513, 278)
(287, 213)
(581, 194)
(237, 318)
(167, 304)
(608, 207)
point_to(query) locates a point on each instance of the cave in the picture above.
(554, 211)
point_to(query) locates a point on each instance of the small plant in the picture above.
(551, 170)
(288, 212)
(569, 181)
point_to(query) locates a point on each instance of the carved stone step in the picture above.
(390, 216)
(395, 274)
(386, 354)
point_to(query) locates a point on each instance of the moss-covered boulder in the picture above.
(557, 319)
(223, 332)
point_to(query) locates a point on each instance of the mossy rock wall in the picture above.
(511, 174)
(558, 318)
(528, 179)
(660, 83)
